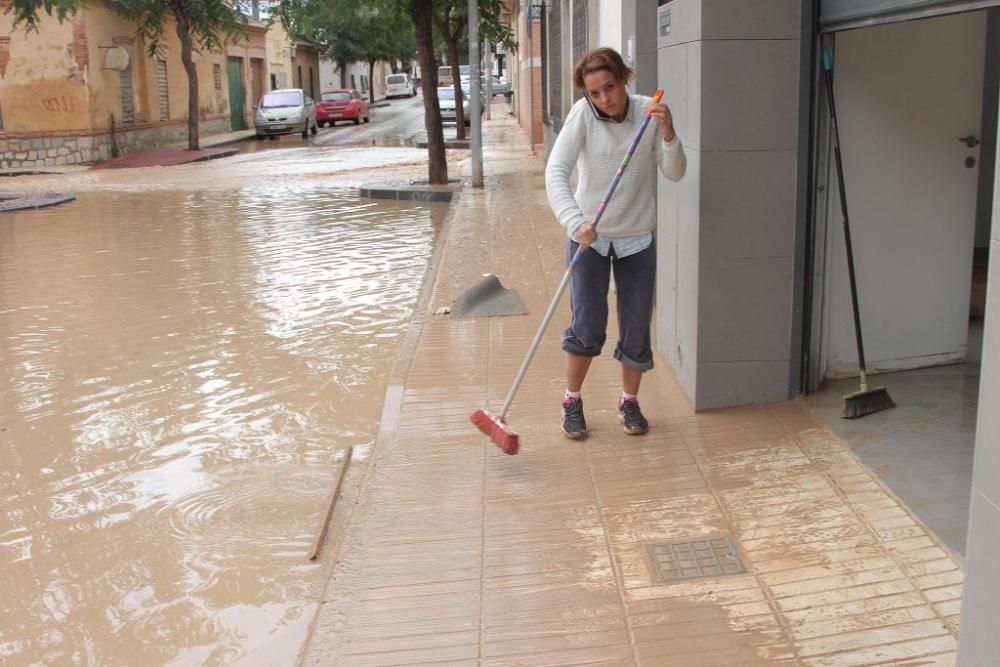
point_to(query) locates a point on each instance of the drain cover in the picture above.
(674, 561)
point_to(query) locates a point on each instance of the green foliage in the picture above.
(492, 27)
(27, 11)
(348, 30)
(211, 24)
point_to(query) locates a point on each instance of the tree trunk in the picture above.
(371, 81)
(422, 12)
(343, 73)
(459, 93)
(184, 34)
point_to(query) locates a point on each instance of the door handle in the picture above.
(970, 141)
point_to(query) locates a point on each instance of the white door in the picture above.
(905, 93)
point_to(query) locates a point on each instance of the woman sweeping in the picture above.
(594, 139)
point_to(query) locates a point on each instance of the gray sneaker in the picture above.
(574, 426)
(631, 417)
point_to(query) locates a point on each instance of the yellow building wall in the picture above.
(279, 59)
(43, 81)
(55, 80)
(254, 48)
(305, 61)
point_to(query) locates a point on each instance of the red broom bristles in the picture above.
(492, 426)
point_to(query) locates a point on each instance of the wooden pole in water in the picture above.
(330, 504)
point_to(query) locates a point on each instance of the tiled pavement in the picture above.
(457, 554)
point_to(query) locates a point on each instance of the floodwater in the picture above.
(180, 372)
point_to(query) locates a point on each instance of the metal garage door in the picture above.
(844, 14)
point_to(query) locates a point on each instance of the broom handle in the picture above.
(828, 70)
(576, 260)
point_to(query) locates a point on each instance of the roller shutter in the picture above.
(845, 14)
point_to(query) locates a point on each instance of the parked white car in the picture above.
(400, 85)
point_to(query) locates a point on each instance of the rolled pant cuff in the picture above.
(569, 346)
(632, 363)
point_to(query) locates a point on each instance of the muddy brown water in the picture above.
(179, 374)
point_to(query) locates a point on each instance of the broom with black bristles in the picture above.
(495, 425)
(866, 400)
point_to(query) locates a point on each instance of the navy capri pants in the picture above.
(635, 280)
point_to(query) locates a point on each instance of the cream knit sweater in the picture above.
(595, 148)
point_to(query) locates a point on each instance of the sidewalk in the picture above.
(210, 147)
(452, 553)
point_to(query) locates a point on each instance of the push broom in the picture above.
(866, 400)
(495, 425)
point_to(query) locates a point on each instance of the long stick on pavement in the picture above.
(330, 504)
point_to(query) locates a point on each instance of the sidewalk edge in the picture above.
(391, 406)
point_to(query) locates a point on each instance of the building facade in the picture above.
(88, 89)
(356, 76)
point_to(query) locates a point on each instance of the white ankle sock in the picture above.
(630, 397)
(572, 394)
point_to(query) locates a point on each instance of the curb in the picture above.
(448, 143)
(163, 159)
(412, 192)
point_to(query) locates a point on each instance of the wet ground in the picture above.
(185, 353)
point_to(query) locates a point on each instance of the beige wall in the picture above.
(279, 62)
(255, 48)
(306, 59)
(43, 84)
(55, 81)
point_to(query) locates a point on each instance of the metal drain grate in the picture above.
(679, 560)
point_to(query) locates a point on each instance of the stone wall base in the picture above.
(19, 153)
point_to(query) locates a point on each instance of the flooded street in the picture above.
(184, 355)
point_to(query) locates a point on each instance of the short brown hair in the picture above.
(601, 59)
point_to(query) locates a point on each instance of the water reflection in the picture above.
(177, 373)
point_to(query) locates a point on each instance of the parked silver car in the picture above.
(446, 102)
(285, 111)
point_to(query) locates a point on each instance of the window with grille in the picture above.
(161, 87)
(217, 75)
(300, 76)
(579, 36)
(554, 73)
(128, 94)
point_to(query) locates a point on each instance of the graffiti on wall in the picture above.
(61, 104)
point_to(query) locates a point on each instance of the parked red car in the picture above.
(341, 104)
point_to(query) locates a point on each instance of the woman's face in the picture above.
(606, 92)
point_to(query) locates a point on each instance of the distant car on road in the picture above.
(285, 111)
(342, 104)
(497, 86)
(446, 102)
(400, 85)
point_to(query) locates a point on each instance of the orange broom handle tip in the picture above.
(656, 99)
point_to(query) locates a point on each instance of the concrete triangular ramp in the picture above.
(488, 298)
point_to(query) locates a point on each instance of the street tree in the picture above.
(201, 25)
(388, 36)
(337, 27)
(452, 17)
(348, 31)
(334, 26)
(453, 26)
(422, 13)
